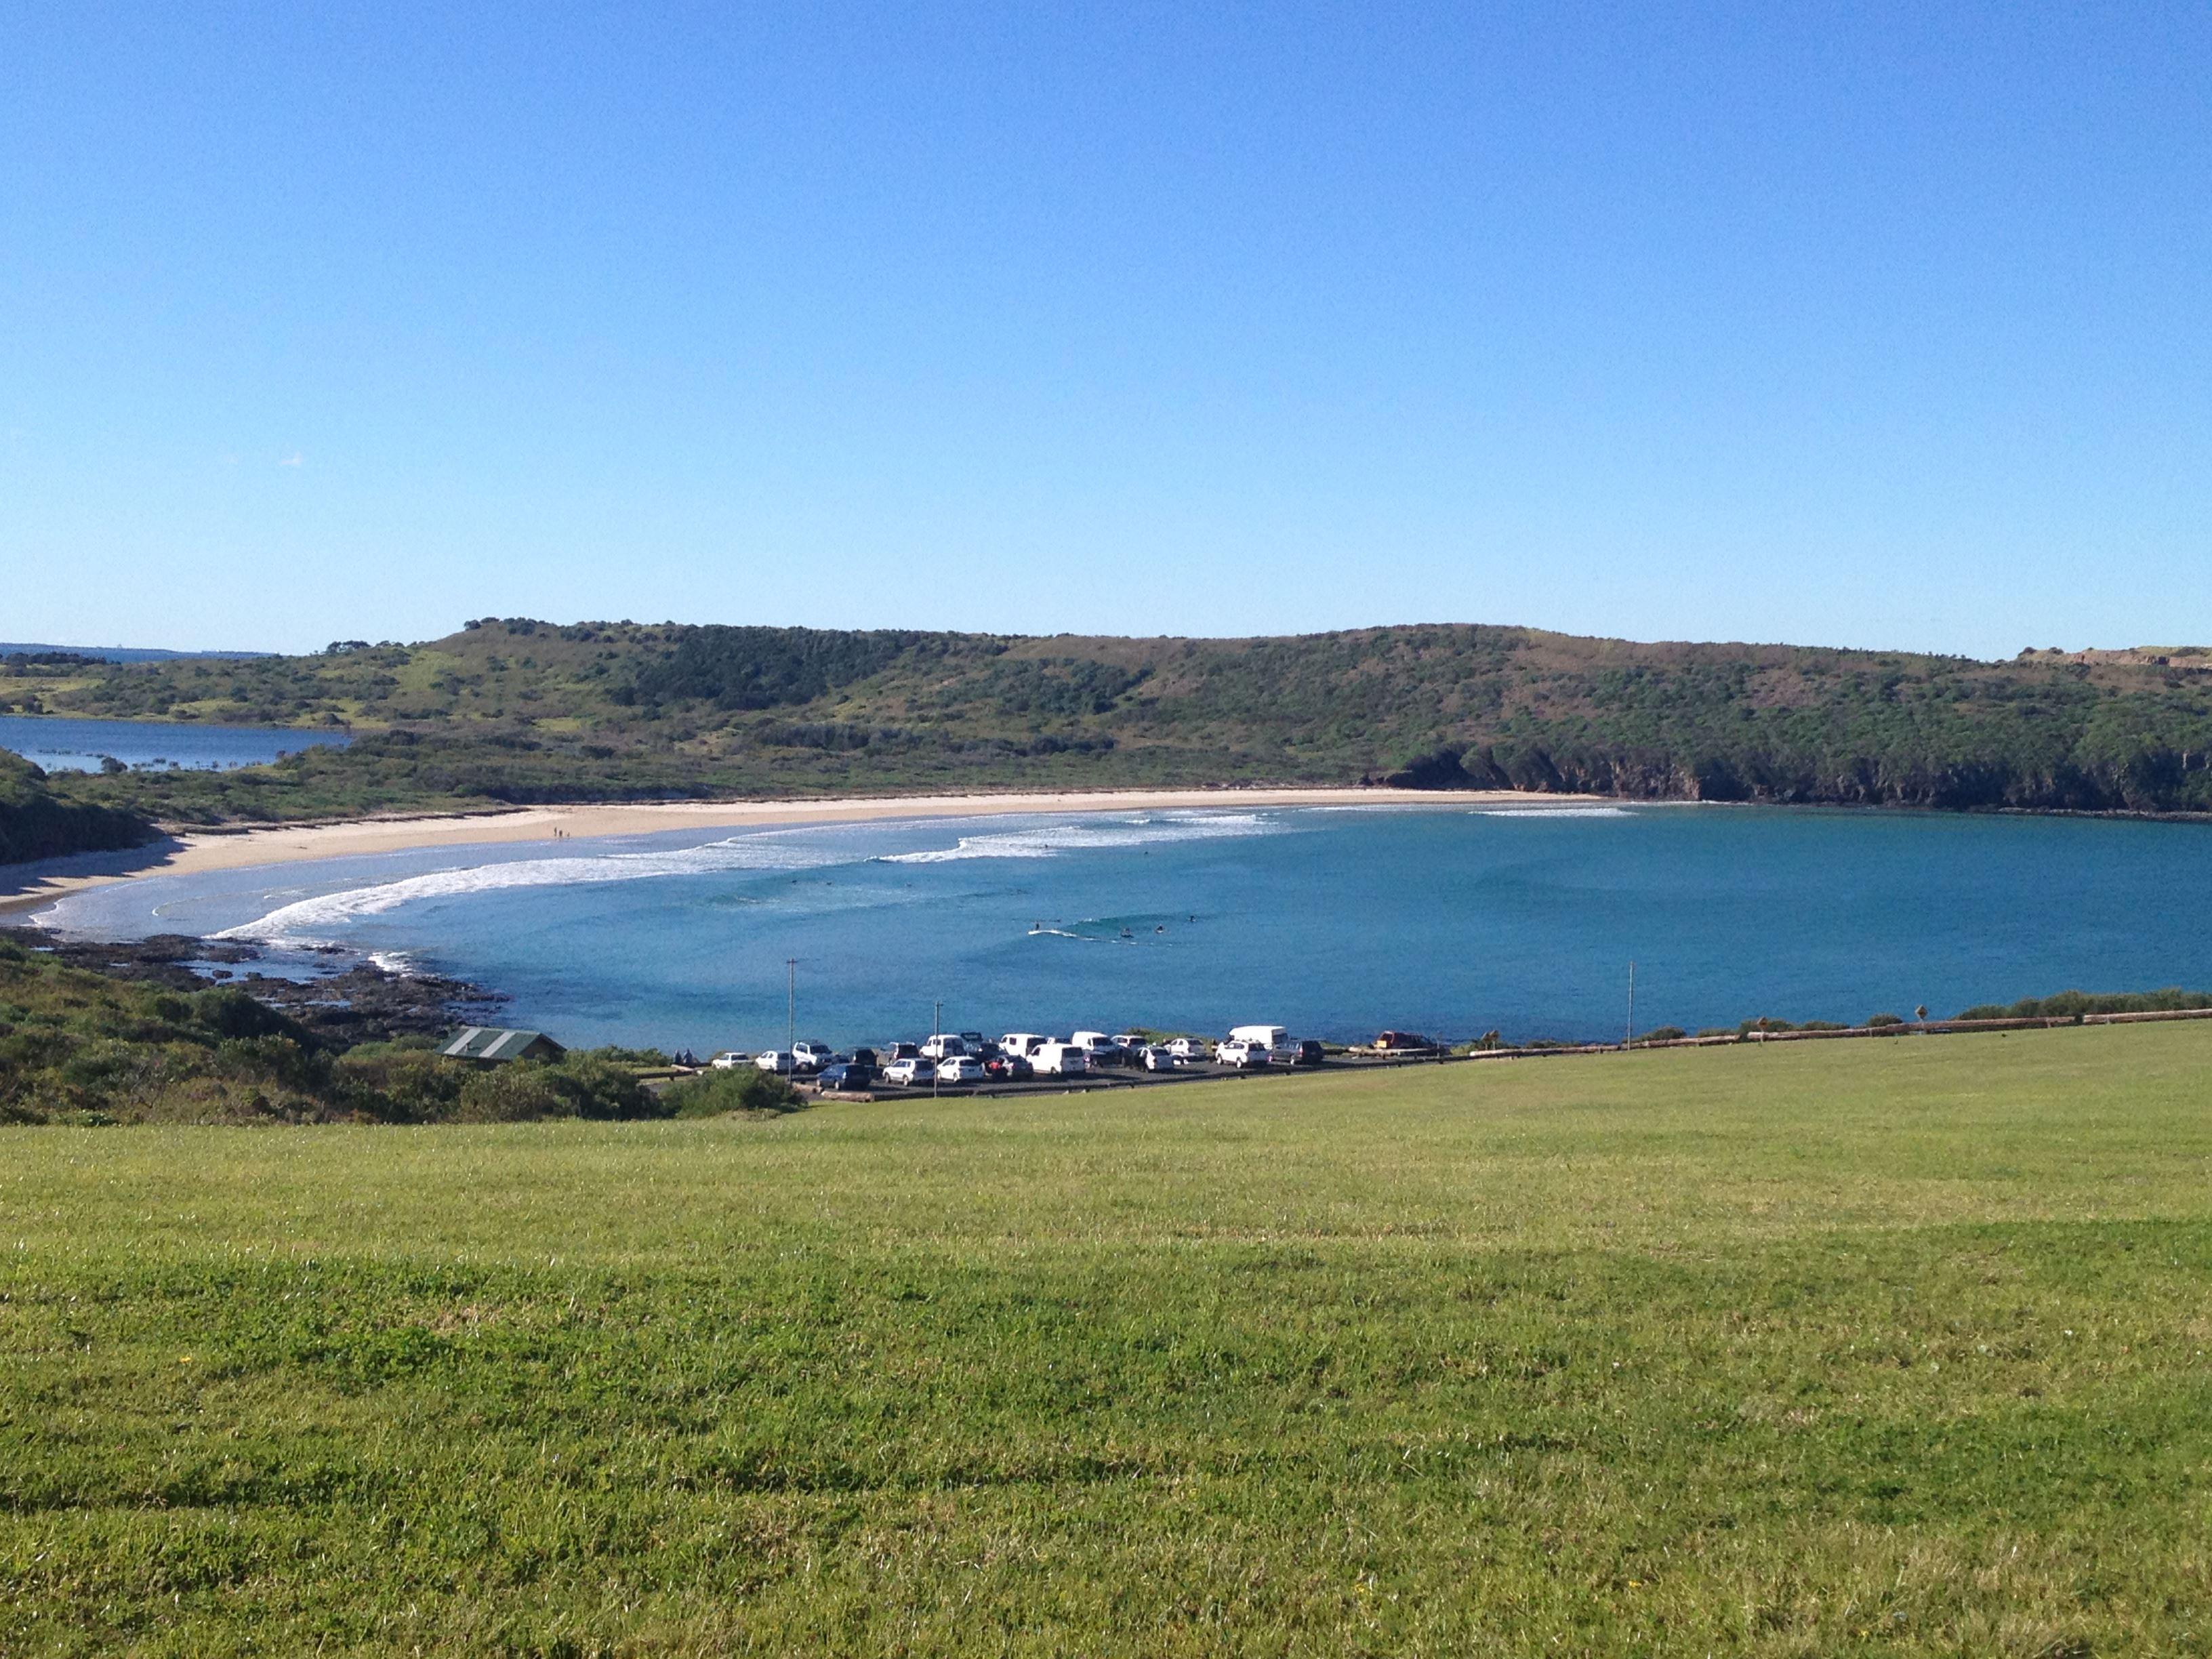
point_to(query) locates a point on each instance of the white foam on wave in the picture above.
(1553, 813)
(1050, 840)
(307, 921)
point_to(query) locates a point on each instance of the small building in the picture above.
(490, 1044)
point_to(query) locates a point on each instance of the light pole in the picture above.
(791, 1006)
(1631, 1042)
(936, 1029)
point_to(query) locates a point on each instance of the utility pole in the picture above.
(791, 1010)
(936, 1029)
(1631, 1042)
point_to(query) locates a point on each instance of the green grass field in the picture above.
(1826, 1348)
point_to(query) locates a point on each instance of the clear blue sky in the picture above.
(1851, 324)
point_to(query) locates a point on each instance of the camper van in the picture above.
(1022, 1045)
(1273, 1038)
(1055, 1058)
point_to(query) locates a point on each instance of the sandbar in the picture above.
(28, 887)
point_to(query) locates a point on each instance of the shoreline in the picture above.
(26, 888)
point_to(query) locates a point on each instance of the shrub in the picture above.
(519, 1091)
(1879, 1022)
(739, 1089)
(1664, 1034)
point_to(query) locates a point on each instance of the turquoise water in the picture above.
(1333, 922)
(64, 744)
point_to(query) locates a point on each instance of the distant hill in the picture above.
(517, 710)
(118, 652)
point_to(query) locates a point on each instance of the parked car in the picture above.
(1308, 1053)
(901, 1051)
(1023, 1043)
(1099, 1048)
(1154, 1058)
(863, 1057)
(1008, 1068)
(1188, 1047)
(984, 1048)
(810, 1056)
(1129, 1041)
(1399, 1043)
(1240, 1055)
(911, 1072)
(942, 1045)
(1273, 1038)
(974, 1040)
(960, 1068)
(1061, 1060)
(846, 1076)
(730, 1059)
(773, 1060)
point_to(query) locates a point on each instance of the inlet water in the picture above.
(62, 743)
(1333, 922)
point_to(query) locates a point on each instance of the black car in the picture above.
(1308, 1053)
(847, 1075)
(863, 1057)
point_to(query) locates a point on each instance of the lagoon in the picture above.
(62, 743)
(1333, 921)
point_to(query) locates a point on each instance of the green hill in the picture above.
(525, 711)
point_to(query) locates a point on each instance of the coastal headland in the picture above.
(30, 887)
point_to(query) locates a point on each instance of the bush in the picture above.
(520, 1091)
(1880, 1022)
(1663, 1034)
(739, 1089)
(2073, 1005)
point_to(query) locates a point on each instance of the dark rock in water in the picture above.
(360, 1002)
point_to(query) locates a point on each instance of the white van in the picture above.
(1023, 1045)
(943, 1046)
(1053, 1058)
(1273, 1038)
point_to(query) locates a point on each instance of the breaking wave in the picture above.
(1050, 840)
(1553, 813)
(306, 920)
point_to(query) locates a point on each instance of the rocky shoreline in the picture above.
(354, 1002)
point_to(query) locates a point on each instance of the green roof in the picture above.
(495, 1042)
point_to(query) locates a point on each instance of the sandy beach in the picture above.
(27, 888)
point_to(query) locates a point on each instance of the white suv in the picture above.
(1242, 1056)
(810, 1056)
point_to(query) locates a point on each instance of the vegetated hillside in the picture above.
(525, 711)
(81, 1046)
(33, 825)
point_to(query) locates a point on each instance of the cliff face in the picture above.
(33, 825)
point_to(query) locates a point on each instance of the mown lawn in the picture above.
(1827, 1348)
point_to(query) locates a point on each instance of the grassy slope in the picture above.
(522, 711)
(1895, 1348)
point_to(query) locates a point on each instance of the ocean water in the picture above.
(62, 743)
(1336, 922)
